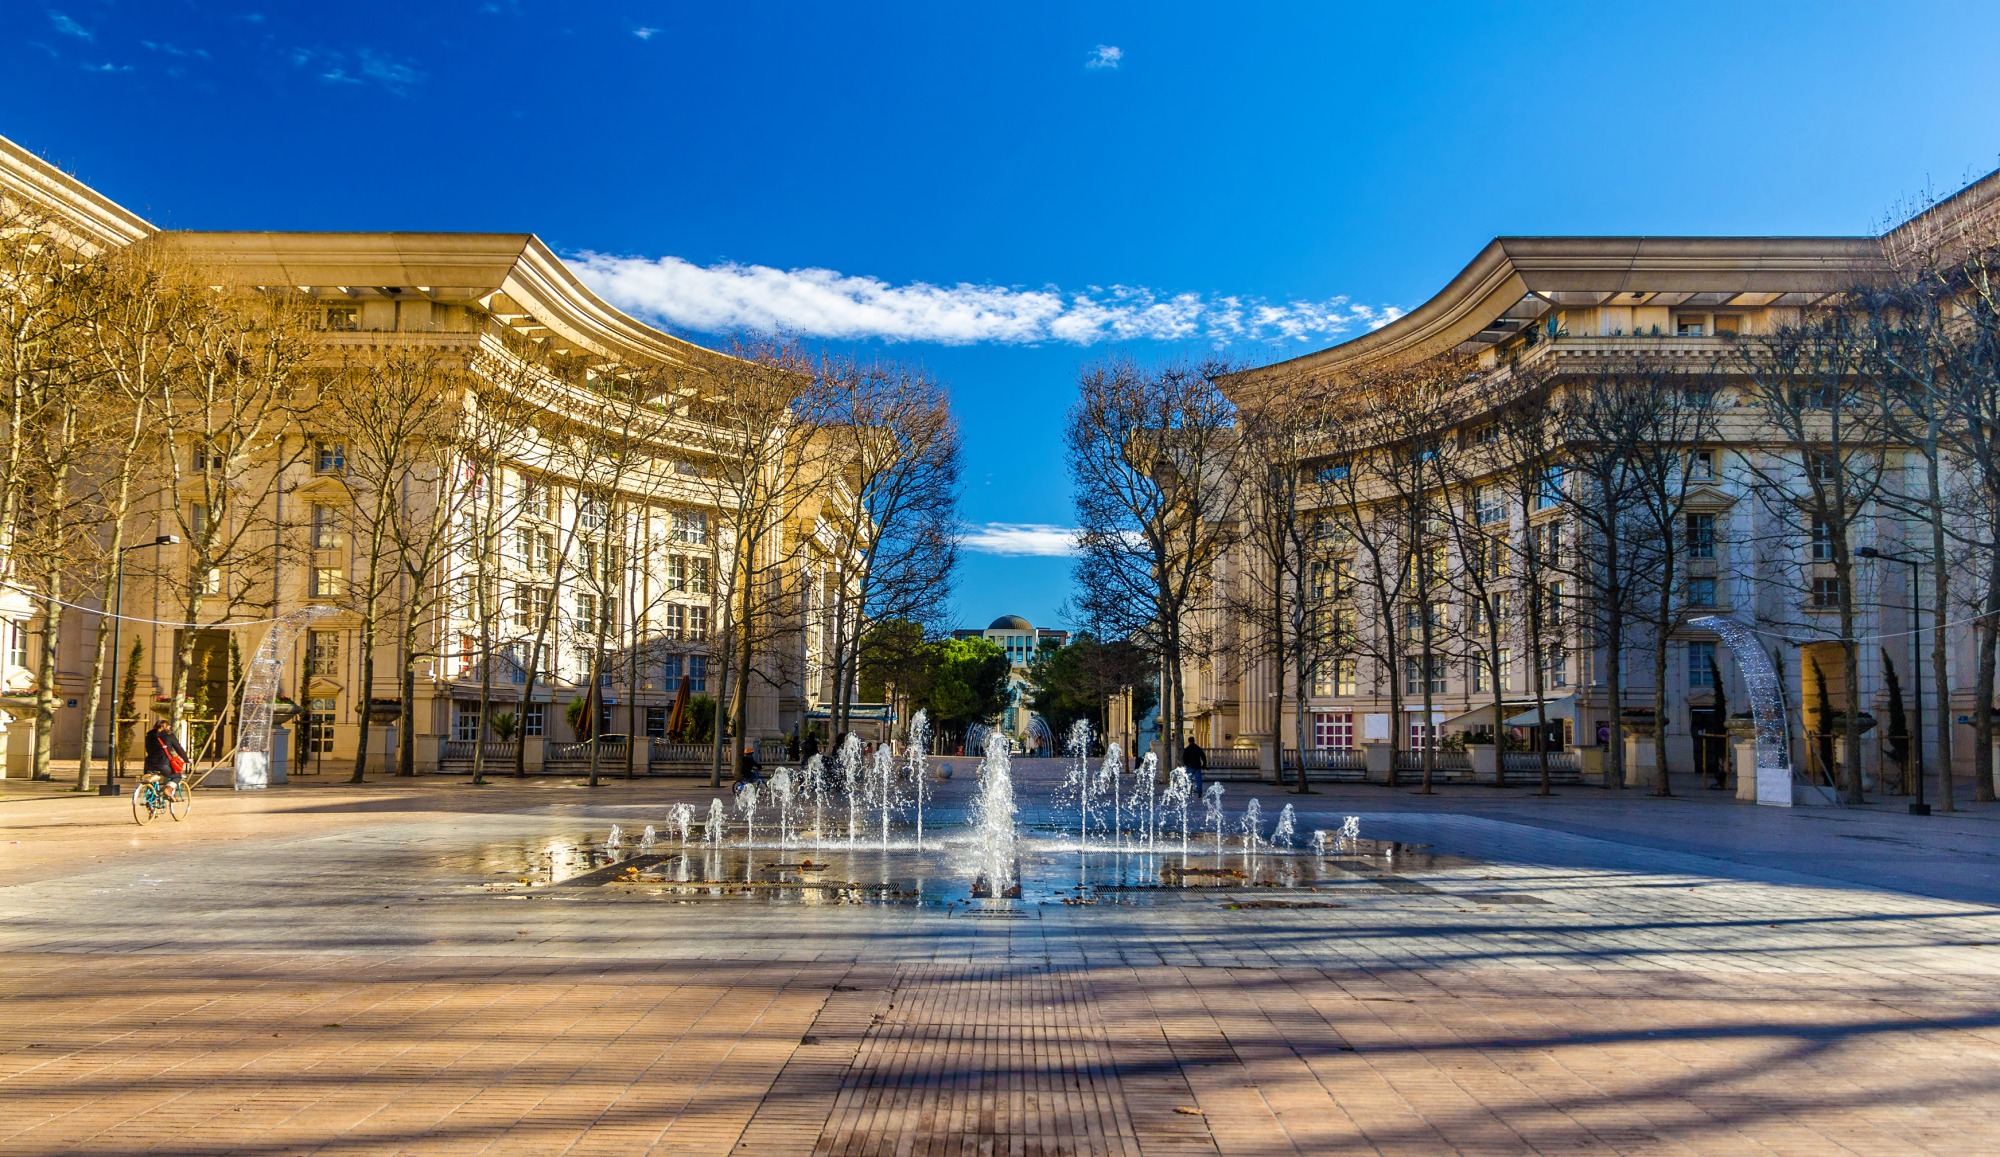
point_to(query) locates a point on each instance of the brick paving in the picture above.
(332, 970)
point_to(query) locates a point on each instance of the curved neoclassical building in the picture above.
(1551, 314)
(587, 562)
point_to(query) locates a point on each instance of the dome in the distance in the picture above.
(1010, 623)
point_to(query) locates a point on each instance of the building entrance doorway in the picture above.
(1711, 745)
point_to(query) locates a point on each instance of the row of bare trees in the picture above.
(487, 506)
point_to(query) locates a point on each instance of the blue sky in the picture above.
(1004, 191)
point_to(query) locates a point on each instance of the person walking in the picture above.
(810, 747)
(1196, 761)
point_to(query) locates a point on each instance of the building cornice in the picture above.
(1549, 271)
(90, 222)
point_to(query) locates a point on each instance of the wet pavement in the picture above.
(422, 967)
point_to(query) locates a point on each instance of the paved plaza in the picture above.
(379, 969)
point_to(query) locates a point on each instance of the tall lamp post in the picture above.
(1916, 565)
(110, 784)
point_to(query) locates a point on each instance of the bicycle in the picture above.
(154, 795)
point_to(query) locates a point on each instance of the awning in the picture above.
(1553, 709)
(1483, 716)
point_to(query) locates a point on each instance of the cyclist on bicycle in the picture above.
(165, 757)
(751, 771)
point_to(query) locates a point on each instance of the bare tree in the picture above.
(1813, 385)
(892, 517)
(1150, 451)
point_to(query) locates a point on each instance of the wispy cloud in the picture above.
(827, 303)
(69, 27)
(644, 33)
(375, 68)
(107, 66)
(1021, 538)
(388, 72)
(1104, 56)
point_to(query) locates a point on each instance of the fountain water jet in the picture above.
(1211, 802)
(993, 823)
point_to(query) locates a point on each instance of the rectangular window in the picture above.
(465, 726)
(1413, 676)
(697, 623)
(1690, 325)
(323, 653)
(1333, 731)
(1822, 466)
(1701, 592)
(326, 582)
(586, 612)
(1484, 671)
(592, 513)
(325, 528)
(538, 500)
(698, 673)
(531, 605)
(656, 723)
(674, 621)
(1489, 505)
(329, 457)
(1826, 592)
(466, 660)
(17, 643)
(1701, 535)
(198, 522)
(535, 719)
(343, 317)
(1822, 540)
(1555, 667)
(690, 527)
(1420, 734)
(670, 672)
(319, 726)
(1330, 472)
(1728, 323)
(697, 576)
(1549, 494)
(1345, 678)
(1701, 664)
(1701, 464)
(677, 572)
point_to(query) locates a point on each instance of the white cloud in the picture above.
(827, 303)
(1021, 538)
(1105, 56)
(107, 66)
(69, 27)
(644, 33)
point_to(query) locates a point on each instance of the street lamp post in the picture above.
(1916, 565)
(110, 785)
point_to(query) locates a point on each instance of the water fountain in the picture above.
(1285, 834)
(746, 802)
(647, 840)
(848, 762)
(614, 841)
(993, 833)
(718, 824)
(882, 787)
(1211, 803)
(1253, 824)
(1142, 789)
(1079, 782)
(813, 775)
(1319, 842)
(1350, 833)
(782, 790)
(681, 817)
(1108, 774)
(918, 766)
(1175, 800)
